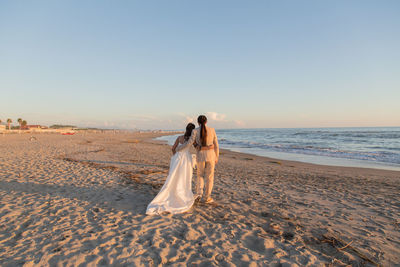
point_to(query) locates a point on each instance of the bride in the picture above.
(176, 194)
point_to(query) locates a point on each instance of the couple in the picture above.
(176, 194)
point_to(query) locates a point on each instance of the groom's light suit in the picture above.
(205, 160)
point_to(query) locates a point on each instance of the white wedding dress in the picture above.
(176, 195)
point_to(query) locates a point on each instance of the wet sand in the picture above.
(71, 200)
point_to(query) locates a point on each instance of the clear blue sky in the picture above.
(156, 64)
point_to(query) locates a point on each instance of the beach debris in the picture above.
(265, 214)
(32, 138)
(57, 249)
(288, 235)
(275, 162)
(68, 133)
(346, 245)
(133, 141)
(275, 226)
(219, 257)
(336, 241)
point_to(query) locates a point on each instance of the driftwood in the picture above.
(336, 241)
(346, 245)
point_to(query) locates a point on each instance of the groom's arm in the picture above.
(188, 142)
(175, 145)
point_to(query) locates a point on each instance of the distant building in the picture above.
(2, 128)
(33, 127)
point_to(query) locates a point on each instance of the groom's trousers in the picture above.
(205, 170)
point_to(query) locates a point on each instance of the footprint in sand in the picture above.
(258, 244)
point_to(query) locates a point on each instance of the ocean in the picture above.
(372, 147)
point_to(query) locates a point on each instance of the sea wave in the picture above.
(381, 156)
(375, 145)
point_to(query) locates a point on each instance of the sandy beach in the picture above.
(80, 201)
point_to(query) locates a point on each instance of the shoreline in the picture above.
(397, 169)
(82, 199)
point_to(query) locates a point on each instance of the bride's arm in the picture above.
(188, 142)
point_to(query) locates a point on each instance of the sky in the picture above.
(159, 64)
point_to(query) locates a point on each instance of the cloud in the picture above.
(215, 119)
(189, 119)
(239, 123)
(215, 116)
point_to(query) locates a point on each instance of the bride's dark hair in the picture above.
(189, 129)
(203, 131)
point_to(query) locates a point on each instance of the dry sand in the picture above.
(80, 201)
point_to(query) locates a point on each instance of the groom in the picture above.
(205, 141)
